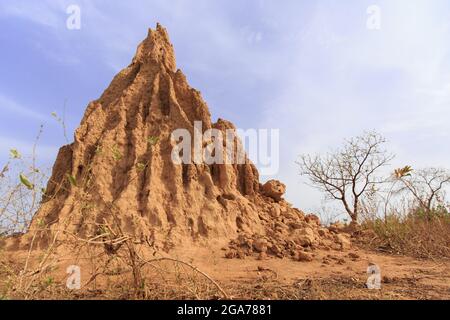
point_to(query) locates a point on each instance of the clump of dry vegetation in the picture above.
(419, 234)
(415, 219)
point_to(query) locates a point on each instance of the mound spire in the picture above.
(119, 170)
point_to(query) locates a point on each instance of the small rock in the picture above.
(260, 245)
(262, 256)
(312, 219)
(275, 249)
(353, 255)
(304, 256)
(261, 268)
(296, 225)
(323, 232)
(244, 240)
(240, 254)
(290, 216)
(337, 227)
(305, 237)
(308, 231)
(231, 254)
(275, 211)
(281, 225)
(305, 240)
(343, 240)
(274, 189)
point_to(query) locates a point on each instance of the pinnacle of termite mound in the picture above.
(119, 174)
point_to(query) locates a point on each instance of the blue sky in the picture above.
(310, 68)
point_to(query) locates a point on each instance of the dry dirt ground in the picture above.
(331, 275)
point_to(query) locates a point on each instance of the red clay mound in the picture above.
(119, 171)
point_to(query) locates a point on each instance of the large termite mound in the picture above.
(119, 171)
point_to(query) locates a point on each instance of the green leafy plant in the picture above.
(24, 180)
(116, 154)
(41, 223)
(71, 179)
(98, 150)
(48, 281)
(88, 206)
(14, 154)
(152, 140)
(4, 170)
(102, 230)
(141, 166)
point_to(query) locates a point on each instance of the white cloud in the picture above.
(44, 13)
(15, 108)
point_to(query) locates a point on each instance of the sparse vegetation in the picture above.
(406, 213)
(427, 187)
(350, 173)
(415, 218)
(21, 188)
(418, 233)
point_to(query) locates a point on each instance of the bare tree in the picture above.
(427, 186)
(347, 174)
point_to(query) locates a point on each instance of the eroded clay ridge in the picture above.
(119, 171)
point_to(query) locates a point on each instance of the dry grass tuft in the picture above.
(416, 234)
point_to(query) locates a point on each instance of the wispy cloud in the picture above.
(44, 13)
(10, 106)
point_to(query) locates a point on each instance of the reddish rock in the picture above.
(343, 240)
(304, 256)
(274, 189)
(312, 219)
